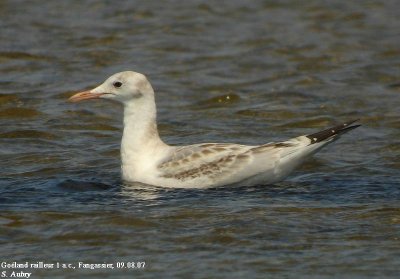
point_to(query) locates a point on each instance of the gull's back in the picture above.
(216, 164)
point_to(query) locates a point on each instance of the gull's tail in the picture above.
(332, 133)
(304, 146)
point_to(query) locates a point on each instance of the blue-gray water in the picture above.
(239, 71)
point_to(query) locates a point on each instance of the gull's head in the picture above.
(122, 87)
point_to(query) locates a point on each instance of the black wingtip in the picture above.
(332, 132)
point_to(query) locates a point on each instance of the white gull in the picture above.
(147, 159)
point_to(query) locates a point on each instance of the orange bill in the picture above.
(85, 95)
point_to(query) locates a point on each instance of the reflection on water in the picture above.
(239, 72)
(82, 185)
(138, 191)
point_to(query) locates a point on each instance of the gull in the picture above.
(147, 159)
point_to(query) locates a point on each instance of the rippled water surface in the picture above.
(238, 71)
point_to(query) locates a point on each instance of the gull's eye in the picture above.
(117, 84)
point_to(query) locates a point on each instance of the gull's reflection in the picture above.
(140, 191)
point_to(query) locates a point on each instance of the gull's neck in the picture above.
(140, 140)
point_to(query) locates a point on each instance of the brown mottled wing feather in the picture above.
(204, 160)
(217, 162)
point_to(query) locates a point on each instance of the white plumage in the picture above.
(147, 159)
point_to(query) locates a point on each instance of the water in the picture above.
(238, 72)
